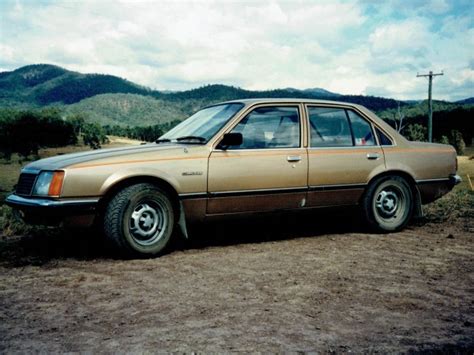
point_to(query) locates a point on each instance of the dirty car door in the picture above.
(268, 171)
(343, 155)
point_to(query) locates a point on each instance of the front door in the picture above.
(269, 171)
(343, 154)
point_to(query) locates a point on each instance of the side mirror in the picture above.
(230, 139)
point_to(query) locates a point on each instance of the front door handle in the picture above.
(293, 158)
(373, 156)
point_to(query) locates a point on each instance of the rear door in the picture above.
(269, 171)
(343, 154)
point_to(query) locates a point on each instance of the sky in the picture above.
(364, 47)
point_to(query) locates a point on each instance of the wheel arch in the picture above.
(411, 182)
(407, 176)
(114, 188)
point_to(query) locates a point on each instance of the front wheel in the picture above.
(139, 220)
(388, 204)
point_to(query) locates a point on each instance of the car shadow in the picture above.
(272, 227)
(49, 245)
(45, 245)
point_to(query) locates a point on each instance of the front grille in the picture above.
(25, 184)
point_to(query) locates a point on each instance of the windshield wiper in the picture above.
(163, 140)
(190, 138)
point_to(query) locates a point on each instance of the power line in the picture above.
(430, 76)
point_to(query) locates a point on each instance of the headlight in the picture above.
(49, 183)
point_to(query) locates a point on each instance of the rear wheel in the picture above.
(388, 204)
(139, 220)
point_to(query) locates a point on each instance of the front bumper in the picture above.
(43, 207)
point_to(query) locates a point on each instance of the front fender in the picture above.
(128, 173)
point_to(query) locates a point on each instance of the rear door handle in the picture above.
(293, 158)
(373, 156)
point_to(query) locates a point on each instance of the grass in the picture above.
(459, 203)
(466, 167)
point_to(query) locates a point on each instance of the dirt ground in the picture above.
(274, 284)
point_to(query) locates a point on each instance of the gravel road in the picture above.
(273, 284)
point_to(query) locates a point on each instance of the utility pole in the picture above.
(430, 76)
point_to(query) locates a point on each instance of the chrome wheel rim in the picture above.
(387, 203)
(148, 222)
(390, 204)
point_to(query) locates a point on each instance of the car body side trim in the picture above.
(193, 195)
(258, 192)
(337, 187)
(452, 179)
(430, 181)
(271, 191)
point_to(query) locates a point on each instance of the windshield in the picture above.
(204, 124)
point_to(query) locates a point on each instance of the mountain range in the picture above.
(108, 99)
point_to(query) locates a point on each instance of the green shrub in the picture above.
(457, 142)
(9, 224)
(444, 140)
(415, 132)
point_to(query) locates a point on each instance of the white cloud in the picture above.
(337, 45)
(7, 53)
(404, 35)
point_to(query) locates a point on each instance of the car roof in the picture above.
(399, 139)
(289, 100)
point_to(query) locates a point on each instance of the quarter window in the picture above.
(270, 127)
(383, 139)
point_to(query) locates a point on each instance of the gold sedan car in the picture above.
(239, 157)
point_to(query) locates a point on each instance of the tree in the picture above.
(93, 135)
(415, 132)
(398, 118)
(77, 121)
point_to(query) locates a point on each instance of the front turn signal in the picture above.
(56, 183)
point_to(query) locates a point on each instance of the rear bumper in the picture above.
(43, 207)
(431, 190)
(454, 180)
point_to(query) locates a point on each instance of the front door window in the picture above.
(270, 127)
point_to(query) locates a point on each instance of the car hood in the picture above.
(63, 161)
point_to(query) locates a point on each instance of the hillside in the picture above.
(420, 108)
(130, 109)
(469, 100)
(44, 84)
(111, 100)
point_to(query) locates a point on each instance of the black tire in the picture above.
(388, 204)
(139, 220)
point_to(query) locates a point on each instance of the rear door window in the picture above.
(338, 127)
(361, 129)
(329, 127)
